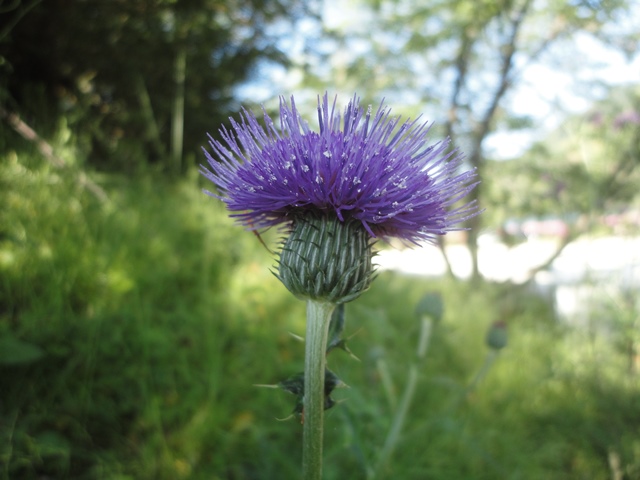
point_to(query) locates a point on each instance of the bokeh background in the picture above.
(136, 318)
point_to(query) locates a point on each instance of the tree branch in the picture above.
(22, 11)
(28, 133)
(481, 132)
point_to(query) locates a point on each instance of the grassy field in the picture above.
(133, 331)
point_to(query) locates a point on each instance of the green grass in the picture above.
(133, 333)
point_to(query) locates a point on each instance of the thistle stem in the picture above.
(318, 319)
(393, 437)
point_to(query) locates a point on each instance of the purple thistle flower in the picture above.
(357, 167)
(626, 118)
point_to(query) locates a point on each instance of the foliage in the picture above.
(456, 60)
(590, 167)
(124, 299)
(108, 69)
(138, 327)
(133, 330)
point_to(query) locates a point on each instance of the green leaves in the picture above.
(14, 351)
(295, 386)
(336, 329)
(295, 383)
(92, 64)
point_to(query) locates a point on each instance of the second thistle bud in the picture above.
(497, 336)
(326, 259)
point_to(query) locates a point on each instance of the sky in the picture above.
(550, 94)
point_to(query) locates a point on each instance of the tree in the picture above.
(586, 173)
(459, 59)
(136, 79)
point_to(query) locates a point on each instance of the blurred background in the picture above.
(135, 317)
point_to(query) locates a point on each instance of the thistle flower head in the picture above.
(363, 167)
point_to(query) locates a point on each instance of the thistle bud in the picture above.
(430, 305)
(326, 259)
(497, 336)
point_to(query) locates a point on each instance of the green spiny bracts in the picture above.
(326, 259)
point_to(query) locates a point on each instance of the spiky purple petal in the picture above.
(359, 166)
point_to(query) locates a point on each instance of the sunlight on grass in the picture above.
(134, 333)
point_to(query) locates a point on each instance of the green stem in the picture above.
(488, 363)
(399, 419)
(318, 319)
(398, 422)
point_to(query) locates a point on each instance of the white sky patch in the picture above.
(549, 94)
